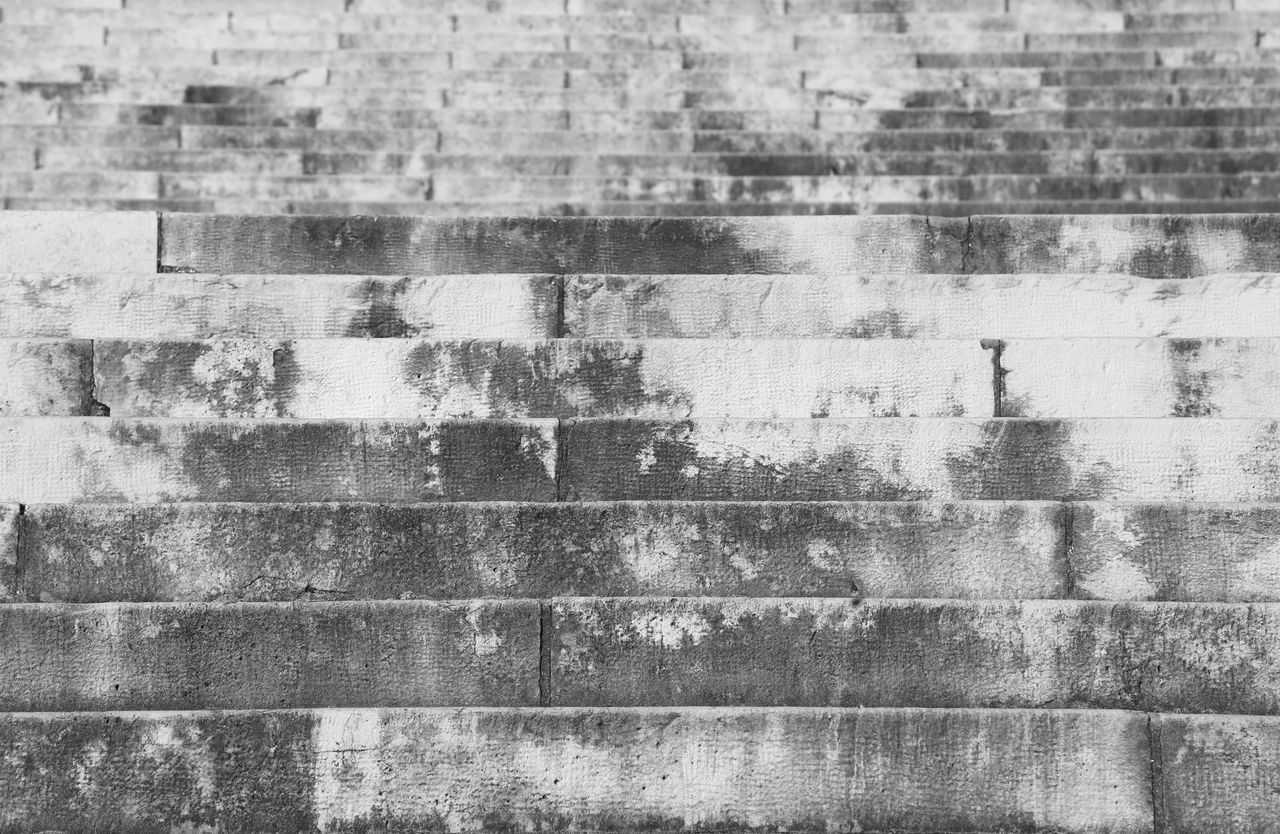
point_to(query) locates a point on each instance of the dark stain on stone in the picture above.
(264, 769)
(1020, 460)
(1007, 245)
(880, 324)
(1193, 387)
(135, 434)
(379, 821)
(378, 310)
(353, 245)
(1171, 257)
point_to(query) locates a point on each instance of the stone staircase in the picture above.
(893, 524)
(623, 107)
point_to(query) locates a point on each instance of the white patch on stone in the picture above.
(1259, 578)
(239, 376)
(1117, 578)
(647, 459)
(347, 744)
(670, 628)
(822, 553)
(486, 642)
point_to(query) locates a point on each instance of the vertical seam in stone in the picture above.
(544, 652)
(996, 346)
(561, 328)
(966, 248)
(1156, 773)
(92, 394)
(160, 234)
(1067, 542)
(562, 457)
(19, 557)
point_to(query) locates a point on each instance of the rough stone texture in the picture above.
(9, 579)
(46, 378)
(1150, 246)
(580, 770)
(1140, 378)
(144, 306)
(926, 653)
(1174, 551)
(406, 378)
(1217, 772)
(918, 306)
(230, 552)
(254, 655)
(421, 246)
(54, 241)
(95, 459)
(914, 459)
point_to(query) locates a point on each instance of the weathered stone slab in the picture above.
(1175, 551)
(927, 653)
(402, 245)
(77, 242)
(278, 306)
(230, 552)
(9, 539)
(588, 769)
(94, 459)
(1140, 378)
(46, 378)
(1150, 246)
(918, 306)
(914, 459)
(405, 378)
(1216, 772)
(248, 656)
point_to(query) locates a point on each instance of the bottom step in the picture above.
(510, 770)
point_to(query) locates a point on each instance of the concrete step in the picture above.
(884, 458)
(254, 656)
(629, 209)
(186, 307)
(294, 163)
(913, 459)
(644, 652)
(1179, 657)
(1145, 246)
(100, 459)
(686, 770)
(914, 306)
(681, 378)
(201, 552)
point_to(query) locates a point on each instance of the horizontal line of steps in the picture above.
(399, 378)
(225, 163)
(635, 769)
(730, 143)
(605, 120)
(56, 459)
(178, 306)
(133, 61)
(701, 651)
(635, 208)
(967, 550)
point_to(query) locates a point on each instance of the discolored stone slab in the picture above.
(918, 306)
(57, 241)
(230, 552)
(1176, 551)
(1150, 246)
(9, 538)
(403, 378)
(95, 459)
(1216, 772)
(1141, 378)
(255, 655)
(588, 769)
(423, 246)
(152, 306)
(46, 378)
(915, 459)
(927, 653)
